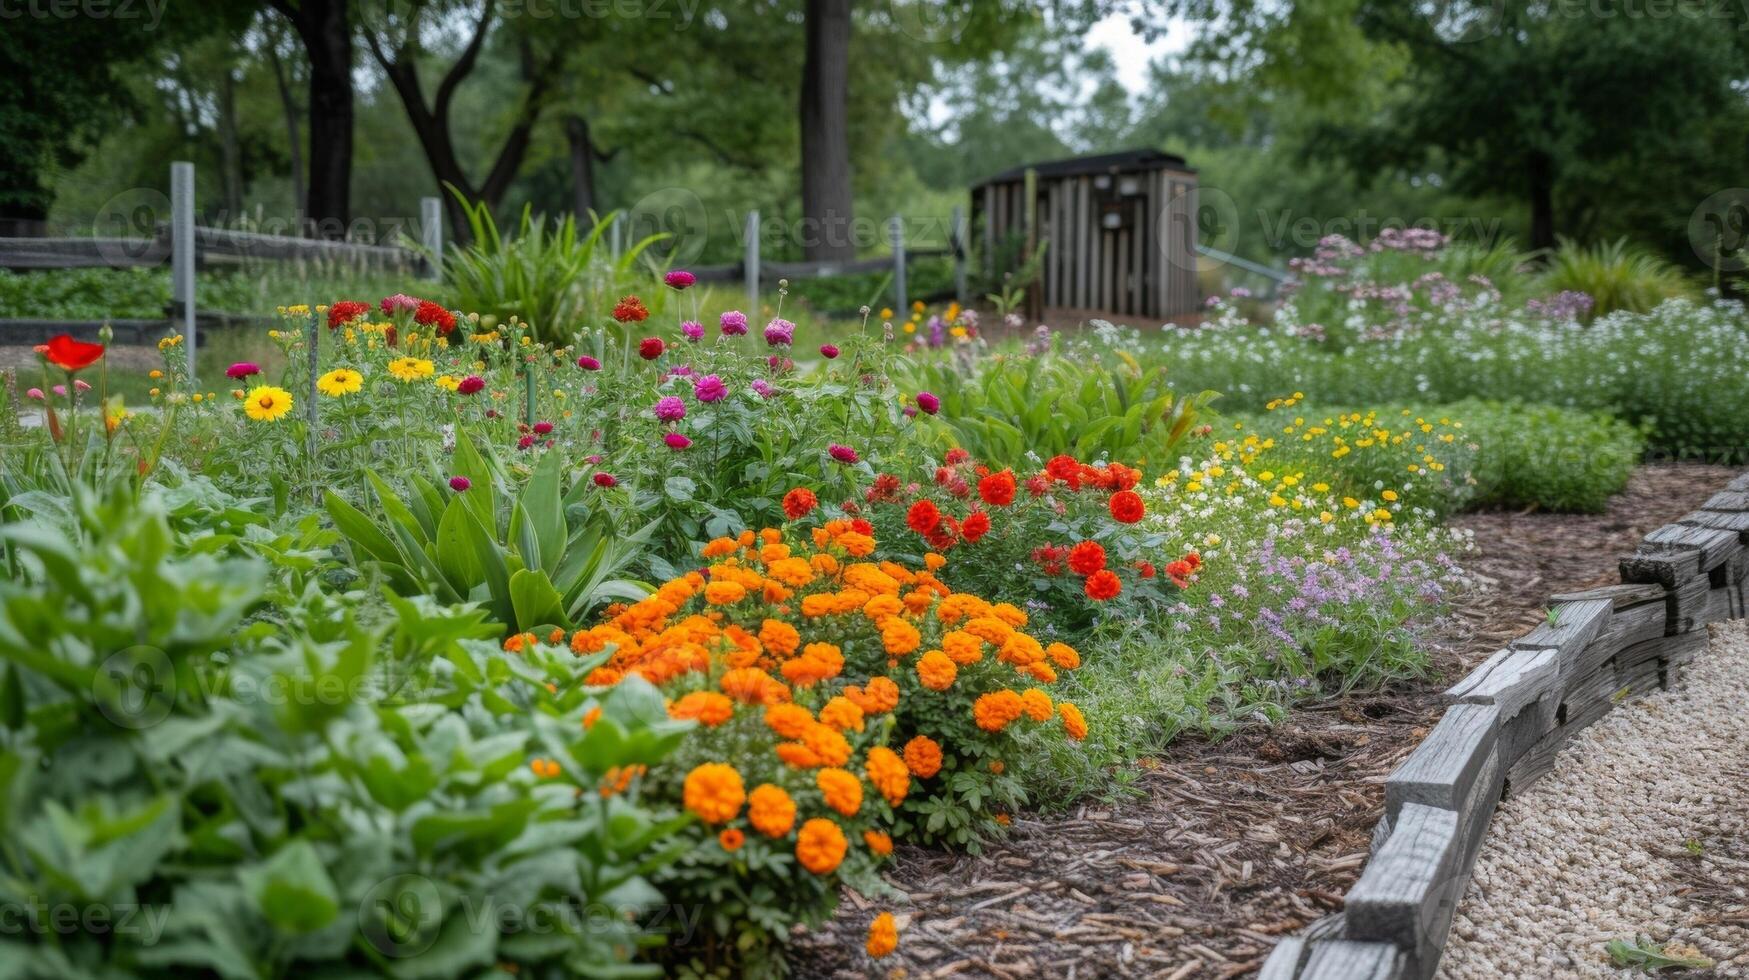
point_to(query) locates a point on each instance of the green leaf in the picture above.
(543, 508)
(535, 601)
(292, 889)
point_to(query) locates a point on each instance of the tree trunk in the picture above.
(826, 196)
(582, 167)
(326, 31)
(1542, 201)
(294, 140)
(230, 155)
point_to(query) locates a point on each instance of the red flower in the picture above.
(1049, 558)
(1039, 485)
(943, 537)
(885, 489)
(861, 526)
(651, 348)
(1064, 468)
(997, 489)
(923, 517)
(71, 355)
(346, 311)
(1127, 507)
(1146, 568)
(434, 315)
(957, 456)
(1086, 558)
(604, 480)
(799, 502)
(1194, 560)
(1103, 585)
(630, 309)
(975, 526)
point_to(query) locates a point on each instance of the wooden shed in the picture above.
(1121, 229)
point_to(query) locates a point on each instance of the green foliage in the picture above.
(1616, 275)
(1645, 955)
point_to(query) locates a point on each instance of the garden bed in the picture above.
(1236, 843)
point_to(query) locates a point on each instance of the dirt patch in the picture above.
(1234, 843)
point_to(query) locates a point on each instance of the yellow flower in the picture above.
(266, 403)
(448, 382)
(410, 368)
(340, 381)
(1389, 495)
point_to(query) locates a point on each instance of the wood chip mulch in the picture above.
(1237, 842)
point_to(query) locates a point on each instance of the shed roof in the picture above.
(1098, 163)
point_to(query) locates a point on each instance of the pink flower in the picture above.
(780, 332)
(679, 279)
(80, 385)
(763, 387)
(843, 454)
(36, 393)
(928, 402)
(710, 388)
(242, 369)
(60, 390)
(670, 408)
(399, 301)
(472, 384)
(676, 441)
(693, 330)
(542, 428)
(588, 363)
(459, 483)
(829, 351)
(604, 480)
(733, 323)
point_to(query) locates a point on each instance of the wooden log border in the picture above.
(1508, 720)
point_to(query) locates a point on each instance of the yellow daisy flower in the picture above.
(410, 368)
(267, 403)
(340, 381)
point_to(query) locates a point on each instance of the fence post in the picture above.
(896, 226)
(613, 235)
(315, 331)
(750, 265)
(431, 234)
(182, 255)
(956, 242)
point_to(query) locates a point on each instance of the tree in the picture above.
(325, 27)
(826, 192)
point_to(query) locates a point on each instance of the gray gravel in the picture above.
(1642, 829)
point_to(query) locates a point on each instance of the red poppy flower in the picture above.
(1103, 585)
(923, 517)
(975, 526)
(1127, 507)
(799, 502)
(1086, 558)
(997, 489)
(71, 355)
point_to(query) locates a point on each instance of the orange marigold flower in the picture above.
(841, 788)
(995, 710)
(779, 637)
(1086, 558)
(724, 593)
(1009, 613)
(1127, 507)
(750, 685)
(933, 561)
(591, 716)
(714, 791)
(923, 756)
(718, 547)
(1063, 655)
(797, 755)
(1074, 723)
(1042, 672)
(708, 708)
(820, 846)
(841, 713)
(883, 935)
(879, 842)
(829, 746)
(791, 571)
(819, 604)
(798, 503)
(899, 637)
(770, 810)
(1102, 585)
(879, 697)
(857, 545)
(961, 647)
(1036, 703)
(790, 721)
(936, 670)
(882, 606)
(888, 774)
(731, 839)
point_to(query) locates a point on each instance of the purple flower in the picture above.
(710, 388)
(693, 330)
(242, 369)
(828, 351)
(843, 454)
(679, 279)
(459, 483)
(760, 385)
(928, 402)
(588, 363)
(676, 441)
(733, 323)
(780, 332)
(669, 408)
(470, 385)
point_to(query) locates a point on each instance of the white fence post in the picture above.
(897, 226)
(431, 235)
(613, 235)
(750, 265)
(956, 242)
(182, 254)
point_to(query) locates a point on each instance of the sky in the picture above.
(1132, 54)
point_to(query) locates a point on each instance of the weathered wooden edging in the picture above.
(1508, 720)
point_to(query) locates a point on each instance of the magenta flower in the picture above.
(60, 390)
(829, 351)
(669, 408)
(525, 442)
(763, 387)
(459, 483)
(679, 279)
(604, 480)
(676, 441)
(471, 385)
(242, 369)
(542, 428)
(780, 332)
(843, 454)
(35, 393)
(588, 363)
(928, 402)
(80, 385)
(693, 330)
(733, 323)
(710, 388)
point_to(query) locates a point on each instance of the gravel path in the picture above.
(1642, 829)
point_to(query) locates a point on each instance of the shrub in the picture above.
(1616, 275)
